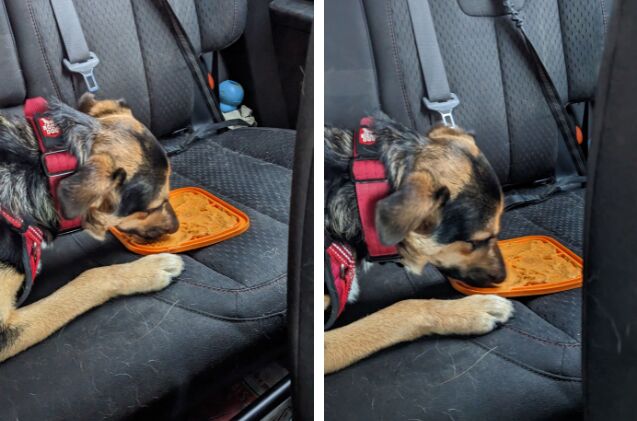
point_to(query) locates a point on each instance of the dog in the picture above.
(444, 209)
(122, 181)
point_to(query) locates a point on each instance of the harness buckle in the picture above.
(85, 68)
(46, 168)
(444, 108)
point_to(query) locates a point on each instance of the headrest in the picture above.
(221, 22)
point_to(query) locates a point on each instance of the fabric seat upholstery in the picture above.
(536, 354)
(225, 314)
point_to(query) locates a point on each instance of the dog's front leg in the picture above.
(26, 326)
(409, 320)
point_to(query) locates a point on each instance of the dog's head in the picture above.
(123, 177)
(446, 208)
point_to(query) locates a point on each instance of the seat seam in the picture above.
(143, 55)
(403, 85)
(235, 290)
(38, 36)
(506, 103)
(546, 341)
(549, 322)
(542, 373)
(219, 317)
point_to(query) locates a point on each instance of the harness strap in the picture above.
(57, 161)
(340, 270)
(371, 184)
(32, 239)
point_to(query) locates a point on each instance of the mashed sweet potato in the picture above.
(198, 217)
(535, 262)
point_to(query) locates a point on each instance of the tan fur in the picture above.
(409, 320)
(37, 321)
(446, 134)
(113, 150)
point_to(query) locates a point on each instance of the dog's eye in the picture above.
(475, 244)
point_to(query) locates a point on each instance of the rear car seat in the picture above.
(226, 313)
(530, 368)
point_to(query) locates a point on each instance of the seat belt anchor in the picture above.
(444, 108)
(85, 68)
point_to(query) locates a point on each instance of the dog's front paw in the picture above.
(152, 273)
(472, 315)
(480, 314)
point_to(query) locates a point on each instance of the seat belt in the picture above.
(180, 144)
(563, 120)
(516, 200)
(192, 59)
(79, 59)
(439, 97)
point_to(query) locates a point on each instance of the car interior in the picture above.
(531, 367)
(184, 352)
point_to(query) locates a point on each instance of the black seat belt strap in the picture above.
(517, 200)
(193, 61)
(439, 96)
(79, 59)
(180, 144)
(563, 120)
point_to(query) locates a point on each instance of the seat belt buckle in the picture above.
(85, 68)
(444, 108)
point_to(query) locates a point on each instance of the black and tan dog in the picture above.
(122, 180)
(444, 210)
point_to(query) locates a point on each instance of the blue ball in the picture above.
(225, 108)
(230, 93)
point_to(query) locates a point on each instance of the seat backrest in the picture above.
(139, 58)
(12, 88)
(501, 99)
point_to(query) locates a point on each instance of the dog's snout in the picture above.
(173, 222)
(478, 277)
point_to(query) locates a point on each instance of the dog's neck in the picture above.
(24, 187)
(397, 146)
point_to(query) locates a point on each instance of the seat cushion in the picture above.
(223, 315)
(527, 369)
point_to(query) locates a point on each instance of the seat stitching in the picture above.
(547, 321)
(403, 85)
(546, 374)
(506, 104)
(235, 290)
(547, 341)
(234, 16)
(219, 317)
(38, 36)
(144, 62)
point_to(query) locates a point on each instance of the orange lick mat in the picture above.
(203, 220)
(536, 265)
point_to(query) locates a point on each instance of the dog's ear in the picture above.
(415, 206)
(92, 186)
(79, 128)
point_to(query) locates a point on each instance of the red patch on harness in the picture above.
(366, 136)
(48, 127)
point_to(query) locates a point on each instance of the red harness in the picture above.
(372, 185)
(370, 181)
(58, 163)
